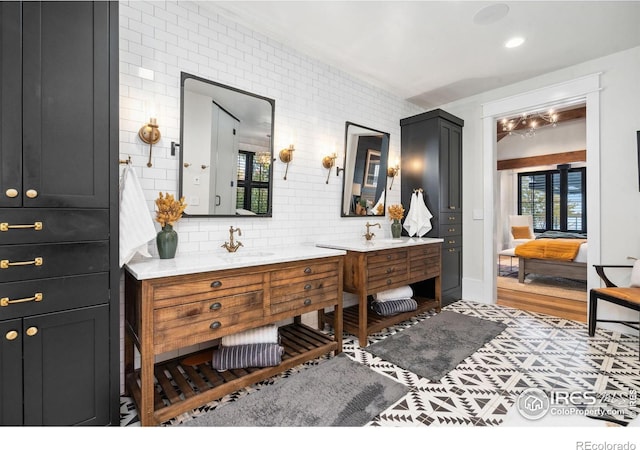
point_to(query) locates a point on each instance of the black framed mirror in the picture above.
(226, 149)
(366, 154)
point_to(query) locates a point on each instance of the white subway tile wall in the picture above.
(312, 103)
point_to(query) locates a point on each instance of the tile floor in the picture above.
(535, 350)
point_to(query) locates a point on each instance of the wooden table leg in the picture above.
(362, 320)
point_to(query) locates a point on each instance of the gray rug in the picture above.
(336, 392)
(435, 346)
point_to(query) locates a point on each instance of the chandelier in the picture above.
(527, 124)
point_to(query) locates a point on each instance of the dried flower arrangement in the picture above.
(169, 209)
(396, 212)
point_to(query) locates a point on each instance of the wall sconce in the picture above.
(391, 173)
(149, 134)
(286, 156)
(328, 162)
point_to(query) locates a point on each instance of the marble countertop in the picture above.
(147, 268)
(362, 245)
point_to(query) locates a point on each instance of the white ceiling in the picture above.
(434, 52)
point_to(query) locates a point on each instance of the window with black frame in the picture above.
(253, 184)
(556, 199)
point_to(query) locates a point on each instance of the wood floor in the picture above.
(546, 304)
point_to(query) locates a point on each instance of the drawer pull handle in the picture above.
(5, 263)
(32, 331)
(388, 257)
(451, 230)
(32, 193)
(452, 207)
(216, 306)
(452, 250)
(307, 302)
(307, 287)
(307, 270)
(11, 193)
(390, 269)
(37, 297)
(389, 281)
(11, 335)
(215, 325)
(4, 226)
(451, 242)
(216, 284)
(452, 217)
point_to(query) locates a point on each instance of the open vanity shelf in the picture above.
(175, 304)
(375, 266)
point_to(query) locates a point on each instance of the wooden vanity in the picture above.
(178, 303)
(374, 266)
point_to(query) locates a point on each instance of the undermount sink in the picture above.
(387, 241)
(245, 255)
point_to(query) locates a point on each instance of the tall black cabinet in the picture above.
(431, 150)
(59, 276)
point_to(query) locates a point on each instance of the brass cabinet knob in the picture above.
(11, 335)
(32, 331)
(32, 193)
(11, 193)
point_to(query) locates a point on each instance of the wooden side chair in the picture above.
(629, 297)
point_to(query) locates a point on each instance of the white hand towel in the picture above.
(394, 294)
(136, 224)
(267, 334)
(410, 223)
(374, 210)
(423, 216)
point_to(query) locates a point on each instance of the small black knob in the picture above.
(215, 325)
(215, 306)
(307, 270)
(216, 284)
(307, 302)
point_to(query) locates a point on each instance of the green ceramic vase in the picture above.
(167, 242)
(396, 229)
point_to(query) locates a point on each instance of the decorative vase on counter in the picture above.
(167, 242)
(396, 229)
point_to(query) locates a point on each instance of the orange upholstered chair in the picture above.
(629, 297)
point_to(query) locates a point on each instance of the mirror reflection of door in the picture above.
(226, 150)
(365, 171)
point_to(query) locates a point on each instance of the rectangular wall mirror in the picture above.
(226, 149)
(366, 152)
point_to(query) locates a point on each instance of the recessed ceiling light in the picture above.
(514, 42)
(491, 14)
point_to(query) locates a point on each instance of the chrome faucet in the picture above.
(369, 235)
(232, 246)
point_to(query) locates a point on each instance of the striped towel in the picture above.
(391, 307)
(243, 356)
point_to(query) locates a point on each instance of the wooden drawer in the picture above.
(424, 251)
(391, 269)
(56, 294)
(384, 257)
(216, 314)
(29, 262)
(304, 271)
(425, 268)
(303, 296)
(207, 286)
(57, 225)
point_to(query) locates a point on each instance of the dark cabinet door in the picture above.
(11, 372)
(65, 104)
(66, 367)
(450, 166)
(10, 105)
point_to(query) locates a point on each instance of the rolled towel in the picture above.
(394, 294)
(391, 307)
(243, 356)
(267, 334)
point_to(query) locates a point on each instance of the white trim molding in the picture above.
(584, 89)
